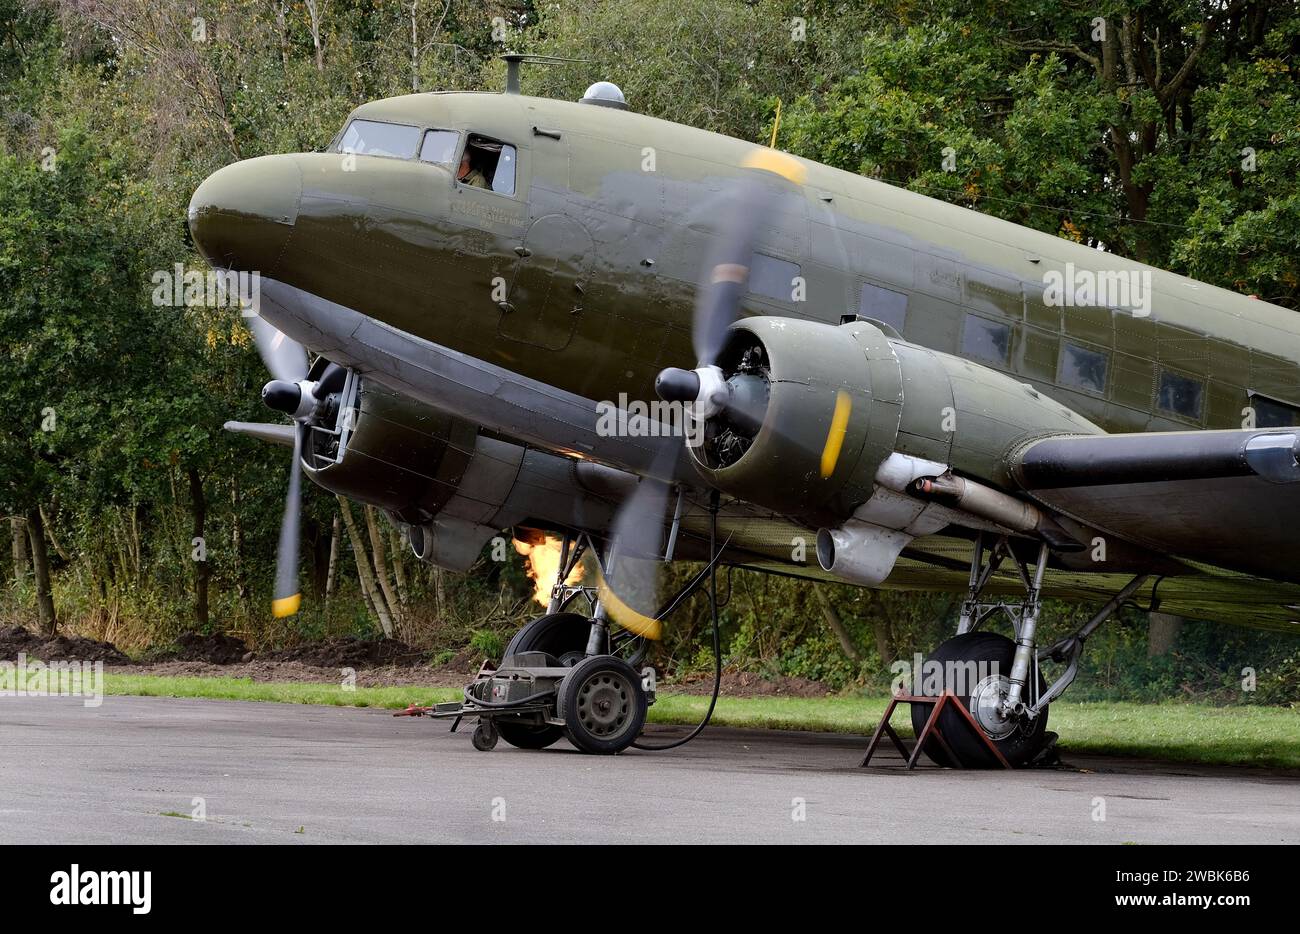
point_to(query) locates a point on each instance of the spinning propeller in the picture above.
(724, 284)
(290, 392)
(629, 591)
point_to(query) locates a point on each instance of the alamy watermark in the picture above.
(635, 418)
(214, 288)
(1123, 289)
(932, 677)
(77, 886)
(35, 678)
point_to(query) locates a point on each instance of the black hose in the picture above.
(717, 639)
(501, 705)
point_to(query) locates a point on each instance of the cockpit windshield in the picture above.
(372, 138)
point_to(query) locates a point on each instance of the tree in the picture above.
(1111, 127)
(68, 284)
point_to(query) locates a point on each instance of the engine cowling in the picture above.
(376, 446)
(452, 487)
(814, 410)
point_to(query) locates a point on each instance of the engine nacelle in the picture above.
(376, 446)
(452, 487)
(818, 409)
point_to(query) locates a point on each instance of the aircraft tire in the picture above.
(984, 649)
(561, 635)
(528, 735)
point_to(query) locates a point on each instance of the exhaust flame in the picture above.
(542, 562)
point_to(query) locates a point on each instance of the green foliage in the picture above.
(1137, 142)
(488, 643)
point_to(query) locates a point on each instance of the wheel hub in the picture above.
(986, 706)
(569, 659)
(604, 704)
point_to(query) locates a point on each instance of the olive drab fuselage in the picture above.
(947, 335)
(584, 277)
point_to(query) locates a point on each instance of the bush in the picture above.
(486, 642)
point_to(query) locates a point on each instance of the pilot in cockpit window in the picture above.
(488, 164)
(469, 173)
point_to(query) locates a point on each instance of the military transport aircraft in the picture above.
(928, 398)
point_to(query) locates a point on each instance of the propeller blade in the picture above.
(285, 358)
(286, 595)
(272, 434)
(331, 380)
(630, 589)
(736, 398)
(726, 274)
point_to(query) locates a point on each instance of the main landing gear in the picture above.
(999, 679)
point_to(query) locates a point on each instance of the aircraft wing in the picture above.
(1227, 498)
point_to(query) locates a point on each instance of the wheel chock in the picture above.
(931, 728)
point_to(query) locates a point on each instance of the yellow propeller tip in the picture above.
(778, 163)
(286, 606)
(628, 618)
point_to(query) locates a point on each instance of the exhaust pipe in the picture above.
(982, 501)
(860, 552)
(997, 507)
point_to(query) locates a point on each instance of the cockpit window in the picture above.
(372, 138)
(439, 146)
(489, 164)
(503, 180)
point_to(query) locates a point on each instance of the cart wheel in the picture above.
(602, 704)
(485, 736)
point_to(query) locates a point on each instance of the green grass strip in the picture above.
(1194, 733)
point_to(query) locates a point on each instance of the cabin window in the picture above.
(1180, 395)
(1270, 413)
(1083, 367)
(986, 340)
(439, 146)
(884, 305)
(772, 277)
(488, 163)
(373, 138)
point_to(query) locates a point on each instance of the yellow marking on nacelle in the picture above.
(835, 437)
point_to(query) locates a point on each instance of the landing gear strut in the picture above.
(997, 679)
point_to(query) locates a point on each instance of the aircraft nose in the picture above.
(242, 215)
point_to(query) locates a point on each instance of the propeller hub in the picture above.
(704, 389)
(297, 400)
(674, 384)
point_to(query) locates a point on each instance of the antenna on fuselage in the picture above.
(514, 61)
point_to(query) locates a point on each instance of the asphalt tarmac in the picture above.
(145, 770)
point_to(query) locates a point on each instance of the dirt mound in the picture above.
(216, 649)
(350, 652)
(16, 639)
(750, 684)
